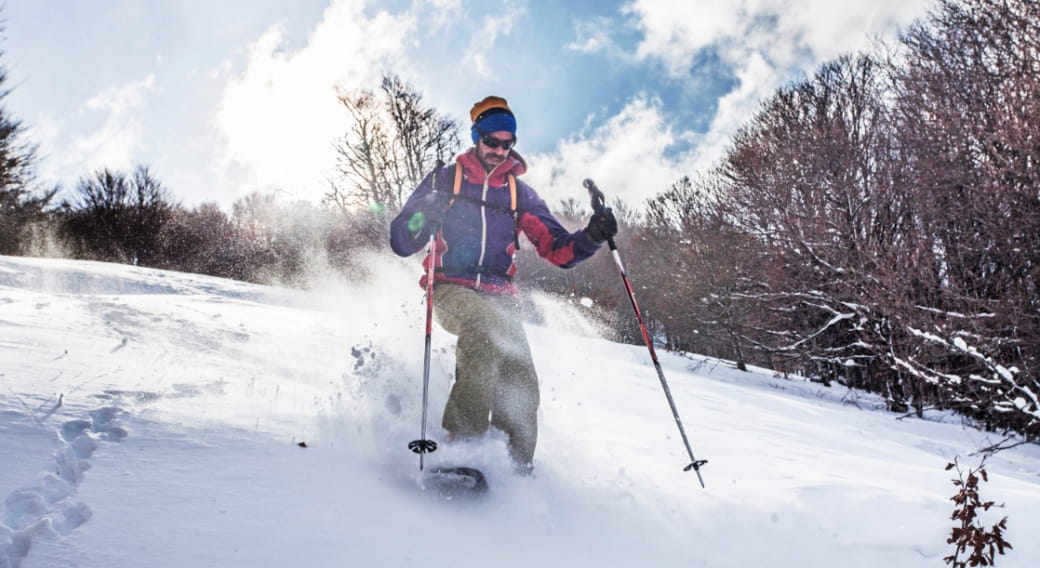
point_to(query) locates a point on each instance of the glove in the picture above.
(602, 225)
(431, 212)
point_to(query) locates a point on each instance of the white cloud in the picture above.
(626, 156)
(278, 117)
(788, 33)
(438, 15)
(484, 37)
(593, 36)
(762, 43)
(674, 32)
(756, 78)
(116, 143)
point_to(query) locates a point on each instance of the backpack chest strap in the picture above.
(457, 193)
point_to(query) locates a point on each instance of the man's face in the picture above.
(493, 157)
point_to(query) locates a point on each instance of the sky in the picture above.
(152, 419)
(222, 99)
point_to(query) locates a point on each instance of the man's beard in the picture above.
(491, 161)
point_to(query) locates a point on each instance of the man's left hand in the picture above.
(602, 225)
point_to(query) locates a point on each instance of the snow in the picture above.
(152, 418)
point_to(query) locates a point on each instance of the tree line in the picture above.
(876, 224)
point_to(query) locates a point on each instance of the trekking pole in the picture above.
(597, 206)
(423, 445)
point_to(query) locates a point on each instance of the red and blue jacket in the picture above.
(478, 239)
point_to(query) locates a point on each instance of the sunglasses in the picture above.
(496, 143)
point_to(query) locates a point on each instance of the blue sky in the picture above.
(223, 98)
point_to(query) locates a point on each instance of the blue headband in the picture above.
(493, 122)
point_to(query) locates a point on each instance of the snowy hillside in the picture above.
(154, 419)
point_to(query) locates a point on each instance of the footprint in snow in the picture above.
(49, 507)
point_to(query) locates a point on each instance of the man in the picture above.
(476, 208)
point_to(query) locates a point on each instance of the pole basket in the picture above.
(422, 446)
(695, 466)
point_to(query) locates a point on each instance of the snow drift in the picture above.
(152, 418)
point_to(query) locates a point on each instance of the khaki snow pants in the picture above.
(495, 380)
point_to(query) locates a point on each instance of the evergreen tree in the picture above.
(21, 206)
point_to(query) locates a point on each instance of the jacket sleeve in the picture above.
(407, 232)
(551, 239)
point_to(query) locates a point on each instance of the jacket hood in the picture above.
(475, 172)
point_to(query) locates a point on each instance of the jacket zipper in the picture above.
(483, 222)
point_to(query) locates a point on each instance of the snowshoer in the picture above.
(476, 208)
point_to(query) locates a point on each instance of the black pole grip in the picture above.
(598, 204)
(598, 199)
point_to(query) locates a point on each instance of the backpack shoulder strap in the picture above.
(512, 193)
(458, 180)
(514, 205)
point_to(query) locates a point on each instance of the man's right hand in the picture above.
(431, 213)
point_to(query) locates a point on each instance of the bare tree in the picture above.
(698, 260)
(363, 157)
(881, 223)
(421, 134)
(117, 217)
(808, 180)
(392, 144)
(968, 113)
(280, 242)
(203, 240)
